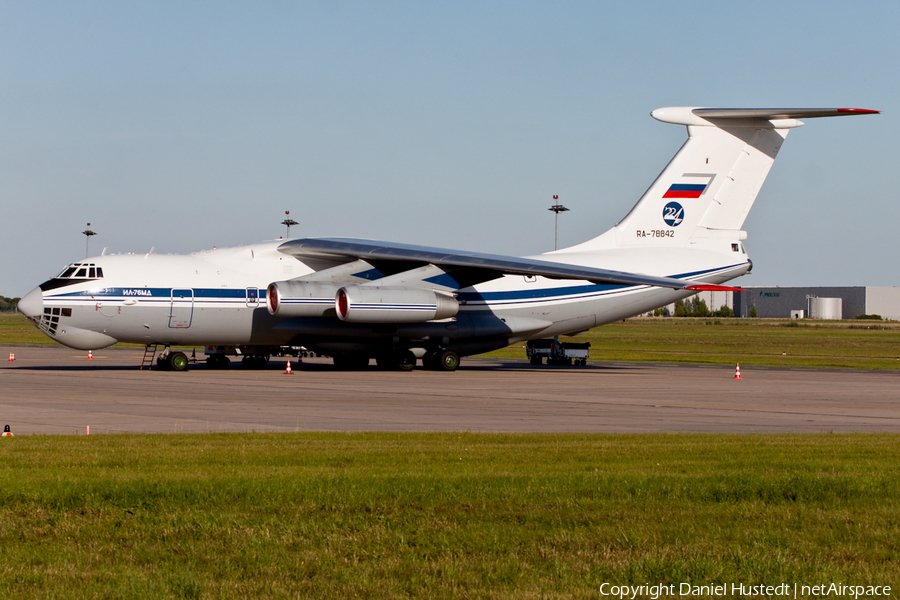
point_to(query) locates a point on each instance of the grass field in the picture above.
(752, 342)
(460, 515)
(441, 515)
(16, 330)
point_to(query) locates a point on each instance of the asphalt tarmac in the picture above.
(59, 391)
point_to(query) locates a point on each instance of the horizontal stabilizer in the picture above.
(749, 117)
(706, 191)
(779, 113)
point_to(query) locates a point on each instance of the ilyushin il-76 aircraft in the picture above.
(355, 299)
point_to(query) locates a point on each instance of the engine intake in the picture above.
(372, 304)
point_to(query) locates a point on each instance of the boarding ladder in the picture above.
(149, 355)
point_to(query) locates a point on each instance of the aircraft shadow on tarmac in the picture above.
(318, 367)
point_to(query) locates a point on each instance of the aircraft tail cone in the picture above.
(288, 370)
(737, 371)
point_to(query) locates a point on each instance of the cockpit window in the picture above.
(81, 271)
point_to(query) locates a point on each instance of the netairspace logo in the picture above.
(735, 590)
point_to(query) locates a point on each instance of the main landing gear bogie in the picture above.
(218, 362)
(255, 361)
(441, 360)
(401, 360)
(448, 360)
(350, 362)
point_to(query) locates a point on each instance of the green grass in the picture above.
(752, 342)
(871, 345)
(16, 330)
(441, 515)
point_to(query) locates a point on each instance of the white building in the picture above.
(785, 302)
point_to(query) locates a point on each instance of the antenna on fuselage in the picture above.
(87, 245)
(288, 221)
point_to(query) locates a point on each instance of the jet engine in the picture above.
(301, 299)
(372, 304)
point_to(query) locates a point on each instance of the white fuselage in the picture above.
(217, 298)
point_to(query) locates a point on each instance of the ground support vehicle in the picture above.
(557, 353)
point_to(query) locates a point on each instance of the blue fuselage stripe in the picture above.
(231, 296)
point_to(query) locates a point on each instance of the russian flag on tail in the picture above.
(685, 190)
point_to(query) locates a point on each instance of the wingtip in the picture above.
(859, 111)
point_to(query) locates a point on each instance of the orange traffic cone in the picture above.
(288, 370)
(737, 371)
(90, 355)
(12, 356)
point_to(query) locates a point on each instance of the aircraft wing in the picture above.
(470, 268)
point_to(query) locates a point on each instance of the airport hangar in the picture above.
(807, 302)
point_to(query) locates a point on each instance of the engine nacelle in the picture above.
(301, 299)
(371, 304)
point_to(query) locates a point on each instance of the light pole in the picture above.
(87, 244)
(557, 208)
(288, 221)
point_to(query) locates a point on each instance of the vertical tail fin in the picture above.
(708, 188)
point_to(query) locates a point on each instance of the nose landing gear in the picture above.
(172, 361)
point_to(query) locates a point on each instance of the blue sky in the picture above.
(187, 125)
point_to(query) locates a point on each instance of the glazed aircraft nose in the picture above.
(32, 305)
